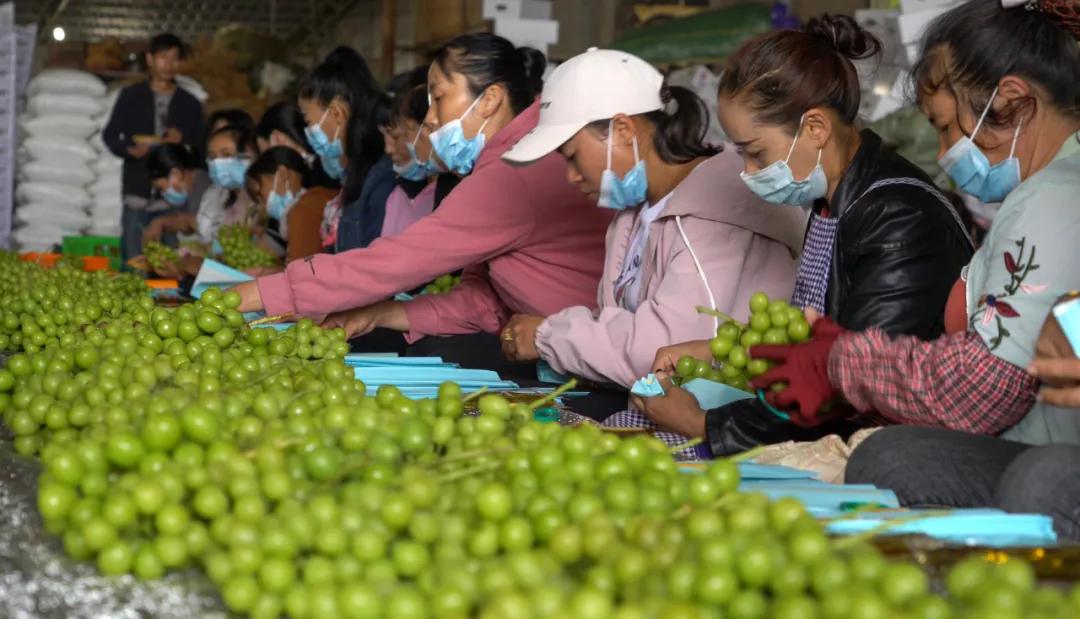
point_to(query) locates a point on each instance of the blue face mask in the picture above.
(228, 172)
(279, 204)
(175, 197)
(415, 170)
(776, 183)
(329, 152)
(971, 170)
(628, 191)
(454, 149)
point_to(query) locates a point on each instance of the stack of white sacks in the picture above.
(69, 183)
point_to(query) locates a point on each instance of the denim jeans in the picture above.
(930, 467)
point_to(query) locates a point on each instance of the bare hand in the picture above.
(1056, 365)
(250, 299)
(812, 315)
(138, 151)
(676, 411)
(364, 320)
(154, 230)
(263, 271)
(172, 135)
(668, 356)
(519, 338)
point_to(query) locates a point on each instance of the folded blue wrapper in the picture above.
(647, 387)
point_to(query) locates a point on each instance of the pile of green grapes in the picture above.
(183, 438)
(442, 285)
(40, 306)
(239, 250)
(771, 322)
(158, 255)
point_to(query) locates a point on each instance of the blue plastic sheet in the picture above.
(982, 527)
(821, 498)
(547, 374)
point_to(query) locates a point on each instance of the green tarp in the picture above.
(704, 38)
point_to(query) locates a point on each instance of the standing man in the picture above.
(149, 113)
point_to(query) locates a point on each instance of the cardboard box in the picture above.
(538, 33)
(517, 9)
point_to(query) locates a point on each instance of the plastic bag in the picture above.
(42, 215)
(745, 424)
(63, 172)
(48, 103)
(66, 81)
(52, 193)
(80, 127)
(58, 146)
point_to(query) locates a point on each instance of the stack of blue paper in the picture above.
(422, 380)
(982, 527)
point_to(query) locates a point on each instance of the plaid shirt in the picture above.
(953, 382)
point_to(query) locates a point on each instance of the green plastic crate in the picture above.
(94, 246)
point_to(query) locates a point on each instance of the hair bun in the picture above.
(535, 62)
(845, 35)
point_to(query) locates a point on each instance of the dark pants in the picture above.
(929, 467)
(132, 224)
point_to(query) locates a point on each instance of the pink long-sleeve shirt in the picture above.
(529, 242)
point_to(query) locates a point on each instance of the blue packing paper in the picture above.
(755, 471)
(711, 394)
(983, 527)
(426, 375)
(215, 274)
(360, 360)
(647, 387)
(547, 374)
(819, 495)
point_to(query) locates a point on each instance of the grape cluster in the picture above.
(179, 438)
(160, 255)
(771, 322)
(49, 306)
(239, 250)
(442, 285)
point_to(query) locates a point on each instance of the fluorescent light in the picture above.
(58, 34)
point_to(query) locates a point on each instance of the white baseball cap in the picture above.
(589, 87)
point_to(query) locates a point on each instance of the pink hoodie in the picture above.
(533, 244)
(712, 228)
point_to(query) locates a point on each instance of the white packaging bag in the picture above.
(61, 172)
(80, 127)
(52, 193)
(66, 81)
(47, 147)
(49, 103)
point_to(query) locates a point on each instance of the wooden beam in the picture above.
(388, 34)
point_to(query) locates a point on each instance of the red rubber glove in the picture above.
(805, 369)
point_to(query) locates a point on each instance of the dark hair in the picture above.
(486, 59)
(273, 158)
(411, 105)
(233, 116)
(167, 157)
(166, 41)
(980, 42)
(783, 74)
(287, 118)
(679, 135)
(406, 80)
(243, 137)
(344, 74)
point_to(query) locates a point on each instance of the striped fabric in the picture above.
(812, 278)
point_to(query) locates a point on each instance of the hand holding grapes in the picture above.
(676, 411)
(519, 338)
(804, 368)
(1057, 366)
(667, 358)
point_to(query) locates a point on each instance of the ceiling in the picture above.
(91, 20)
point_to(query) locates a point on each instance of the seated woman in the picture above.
(284, 186)
(230, 151)
(688, 232)
(177, 175)
(409, 149)
(530, 242)
(884, 246)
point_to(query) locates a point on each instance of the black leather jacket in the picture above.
(899, 248)
(898, 251)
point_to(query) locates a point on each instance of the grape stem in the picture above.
(476, 394)
(476, 470)
(265, 320)
(694, 442)
(708, 311)
(570, 384)
(469, 455)
(854, 540)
